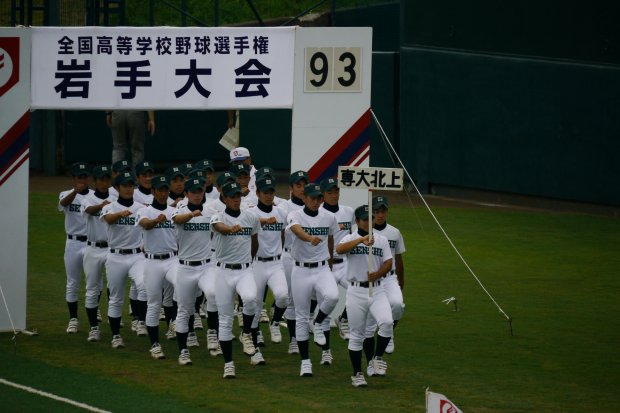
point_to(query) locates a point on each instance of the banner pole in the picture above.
(370, 237)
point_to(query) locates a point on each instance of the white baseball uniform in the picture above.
(194, 239)
(311, 272)
(287, 207)
(363, 309)
(125, 257)
(346, 218)
(267, 265)
(75, 228)
(233, 254)
(394, 293)
(142, 196)
(160, 249)
(96, 252)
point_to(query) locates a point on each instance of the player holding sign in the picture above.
(363, 309)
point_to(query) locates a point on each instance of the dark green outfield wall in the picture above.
(512, 97)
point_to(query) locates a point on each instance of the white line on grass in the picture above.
(52, 396)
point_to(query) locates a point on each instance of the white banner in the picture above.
(438, 403)
(385, 179)
(162, 67)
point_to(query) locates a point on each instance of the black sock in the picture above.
(278, 312)
(254, 332)
(153, 334)
(382, 343)
(73, 309)
(290, 324)
(304, 351)
(198, 303)
(369, 348)
(99, 297)
(92, 316)
(182, 341)
(190, 323)
(115, 325)
(326, 345)
(133, 305)
(395, 322)
(213, 322)
(169, 314)
(356, 361)
(142, 307)
(320, 317)
(247, 323)
(240, 302)
(226, 350)
(344, 315)
(108, 291)
(313, 304)
(175, 308)
(265, 296)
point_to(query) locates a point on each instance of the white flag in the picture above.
(438, 403)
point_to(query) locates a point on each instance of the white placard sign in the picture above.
(384, 179)
(162, 67)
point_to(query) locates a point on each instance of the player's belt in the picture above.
(125, 251)
(365, 284)
(98, 244)
(337, 260)
(194, 263)
(390, 273)
(267, 259)
(310, 264)
(81, 238)
(287, 250)
(160, 256)
(234, 266)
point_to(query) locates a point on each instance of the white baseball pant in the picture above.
(269, 273)
(74, 257)
(94, 262)
(118, 267)
(156, 279)
(185, 289)
(227, 282)
(363, 310)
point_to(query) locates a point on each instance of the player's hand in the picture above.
(366, 240)
(271, 220)
(196, 213)
(245, 190)
(235, 228)
(315, 240)
(125, 213)
(104, 203)
(341, 226)
(161, 218)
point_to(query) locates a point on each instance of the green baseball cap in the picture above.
(174, 171)
(204, 165)
(328, 183)
(159, 181)
(378, 202)
(298, 176)
(144, 167)
(121, 166)
(80, 168)
(186, 168)
(361, 212)
(193, 184)
(239, 169)
(124, 178)
(231, 189)
(223, 178)
(264, 172)
(266, 184)
(102, 170)
(313, 190)
(197, 173)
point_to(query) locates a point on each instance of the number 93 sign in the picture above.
(333, 69)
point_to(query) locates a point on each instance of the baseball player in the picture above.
(207, 166)
(364, 307)
(75, 226)
(194, 238)
(267, 266)
(125, 257)
(241, 172)
(96, 251)
(117, 168)
(218, 204)
(312, 247)
(144, 174)
(297, 181)
(160, 250)
(241, 155)
(235, 239)
(344, 216)
(177, 185)
(395, 279)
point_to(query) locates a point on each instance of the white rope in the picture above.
(386, 140)
(8, 312)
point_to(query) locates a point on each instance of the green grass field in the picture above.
(556, 274)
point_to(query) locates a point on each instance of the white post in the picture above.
(370, 226)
